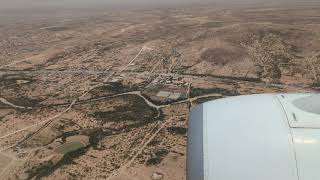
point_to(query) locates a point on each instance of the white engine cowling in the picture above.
(255, 137)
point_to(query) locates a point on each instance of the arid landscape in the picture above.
(106, 94)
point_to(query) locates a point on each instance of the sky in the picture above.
(13, 4)
(22, 10)
(25, 7)
(18, 10)
(16, 4)
(78, 3)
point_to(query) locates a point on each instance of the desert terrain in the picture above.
(106, 94)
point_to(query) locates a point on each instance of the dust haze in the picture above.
(15, 4)
(28, 4)
(12, 11)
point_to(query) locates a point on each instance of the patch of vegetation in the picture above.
(161, 152)
(267, 50)
(137, 110)
(213, 24)
(96, 136)
(315, 85)
(154, 142)
(34, 172)
(177, 130)
(26, 102)
(8, 80)
(21, 101)
(206, 99)
(159, 155)
(231, 78)
(47, 168)
(153, 161)
(65, 135)
(199, 92)
(112, 88)
(67, 159)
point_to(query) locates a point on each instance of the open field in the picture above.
(106, 95)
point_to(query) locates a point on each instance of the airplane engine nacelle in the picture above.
(255, 137)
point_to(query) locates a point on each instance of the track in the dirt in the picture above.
(51, 119)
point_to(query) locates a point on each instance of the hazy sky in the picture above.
(41, 3)
(7, 5)
(20, 10)
(82, 3)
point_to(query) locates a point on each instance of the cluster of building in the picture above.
(173, 92)
(172, 88)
